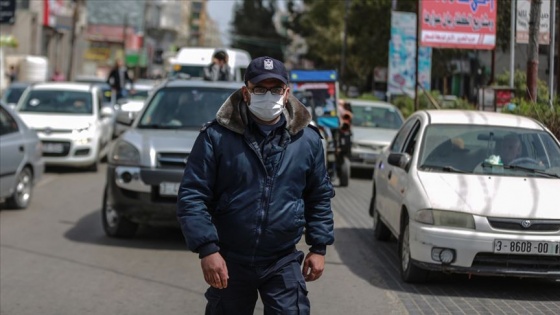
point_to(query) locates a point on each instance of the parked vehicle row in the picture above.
(470, 192)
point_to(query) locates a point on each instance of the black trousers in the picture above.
(280, 285)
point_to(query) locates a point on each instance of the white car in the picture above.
(449, 191)
(71, 121)
(374, 125)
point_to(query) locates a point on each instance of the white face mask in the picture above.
(267, 107)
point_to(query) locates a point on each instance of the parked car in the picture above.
(71, 121)
(449, 191)
(14, 91)
(132, 104)
(374, 125)
(146, 163)
(21, 163)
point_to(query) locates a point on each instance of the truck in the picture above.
(193, 60)
(318, 90)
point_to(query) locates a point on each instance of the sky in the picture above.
(221, 11)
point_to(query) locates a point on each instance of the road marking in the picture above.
(45, 180)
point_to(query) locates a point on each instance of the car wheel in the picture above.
(380, 231)
(344, 172)
(23, 191)
(409, 272)
(114, 224)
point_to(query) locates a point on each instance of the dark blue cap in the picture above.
(263, 68)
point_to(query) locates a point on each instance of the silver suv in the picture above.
(146, 163)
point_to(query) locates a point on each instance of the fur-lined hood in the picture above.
(233, 114)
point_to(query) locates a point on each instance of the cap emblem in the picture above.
(268, 65)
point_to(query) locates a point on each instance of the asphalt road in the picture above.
(56, 260)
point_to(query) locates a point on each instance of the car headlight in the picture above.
(124, 153)
(83, 135)
(445, 218)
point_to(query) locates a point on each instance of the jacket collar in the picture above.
(233, 114)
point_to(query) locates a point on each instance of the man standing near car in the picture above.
(117, 79)
(254, 181)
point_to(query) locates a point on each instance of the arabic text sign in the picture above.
(468, 24)
(522, 22)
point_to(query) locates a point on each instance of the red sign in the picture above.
(467, 24)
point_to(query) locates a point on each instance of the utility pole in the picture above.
(551, 53)
(513, 16)
(533, 50)
(125, 26)
(75, 20)
(344, 40)
(416, 72)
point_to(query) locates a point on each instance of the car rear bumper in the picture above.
(134, 192)
(474, 251)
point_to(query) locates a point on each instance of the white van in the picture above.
(193, 60)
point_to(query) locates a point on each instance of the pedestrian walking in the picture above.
(12, 74)
(117, 79)
(255, 181)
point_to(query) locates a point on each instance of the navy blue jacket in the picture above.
(254, 206)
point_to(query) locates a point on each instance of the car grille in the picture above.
(534, 263)
(172, 159)
(52, 131)
(65, 148)
(518, 224)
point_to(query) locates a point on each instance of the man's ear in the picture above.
(245, 93)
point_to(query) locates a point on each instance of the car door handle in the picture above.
(21, 148)
(390, 174)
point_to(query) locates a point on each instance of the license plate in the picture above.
(527, 247)
(53, 147)
(168, 189)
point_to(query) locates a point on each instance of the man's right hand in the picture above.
(215, 270)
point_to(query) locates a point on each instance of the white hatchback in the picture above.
(71, 121)
(470, 192)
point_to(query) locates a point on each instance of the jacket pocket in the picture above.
(299, 213)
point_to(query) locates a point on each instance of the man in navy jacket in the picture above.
(254, 183)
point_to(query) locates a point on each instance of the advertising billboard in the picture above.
(522, 22)
(466, 24)
(401, 78)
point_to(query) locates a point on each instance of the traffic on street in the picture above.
(56, 259)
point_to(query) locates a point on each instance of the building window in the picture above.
(195, 15)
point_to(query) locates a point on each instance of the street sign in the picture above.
(7, 11)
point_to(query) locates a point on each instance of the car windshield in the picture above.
(184, 107)
(375, 117)
(57, 102)
(13, 94)
(489, 150)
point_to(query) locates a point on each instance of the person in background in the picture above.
(58, 76)
(255, 181)
(117, 79)
(12, 74)
(219, 69)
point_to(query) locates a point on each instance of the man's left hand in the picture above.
(313, 266)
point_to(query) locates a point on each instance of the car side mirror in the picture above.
(401, 160)
(125, 118)
(106, 111)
